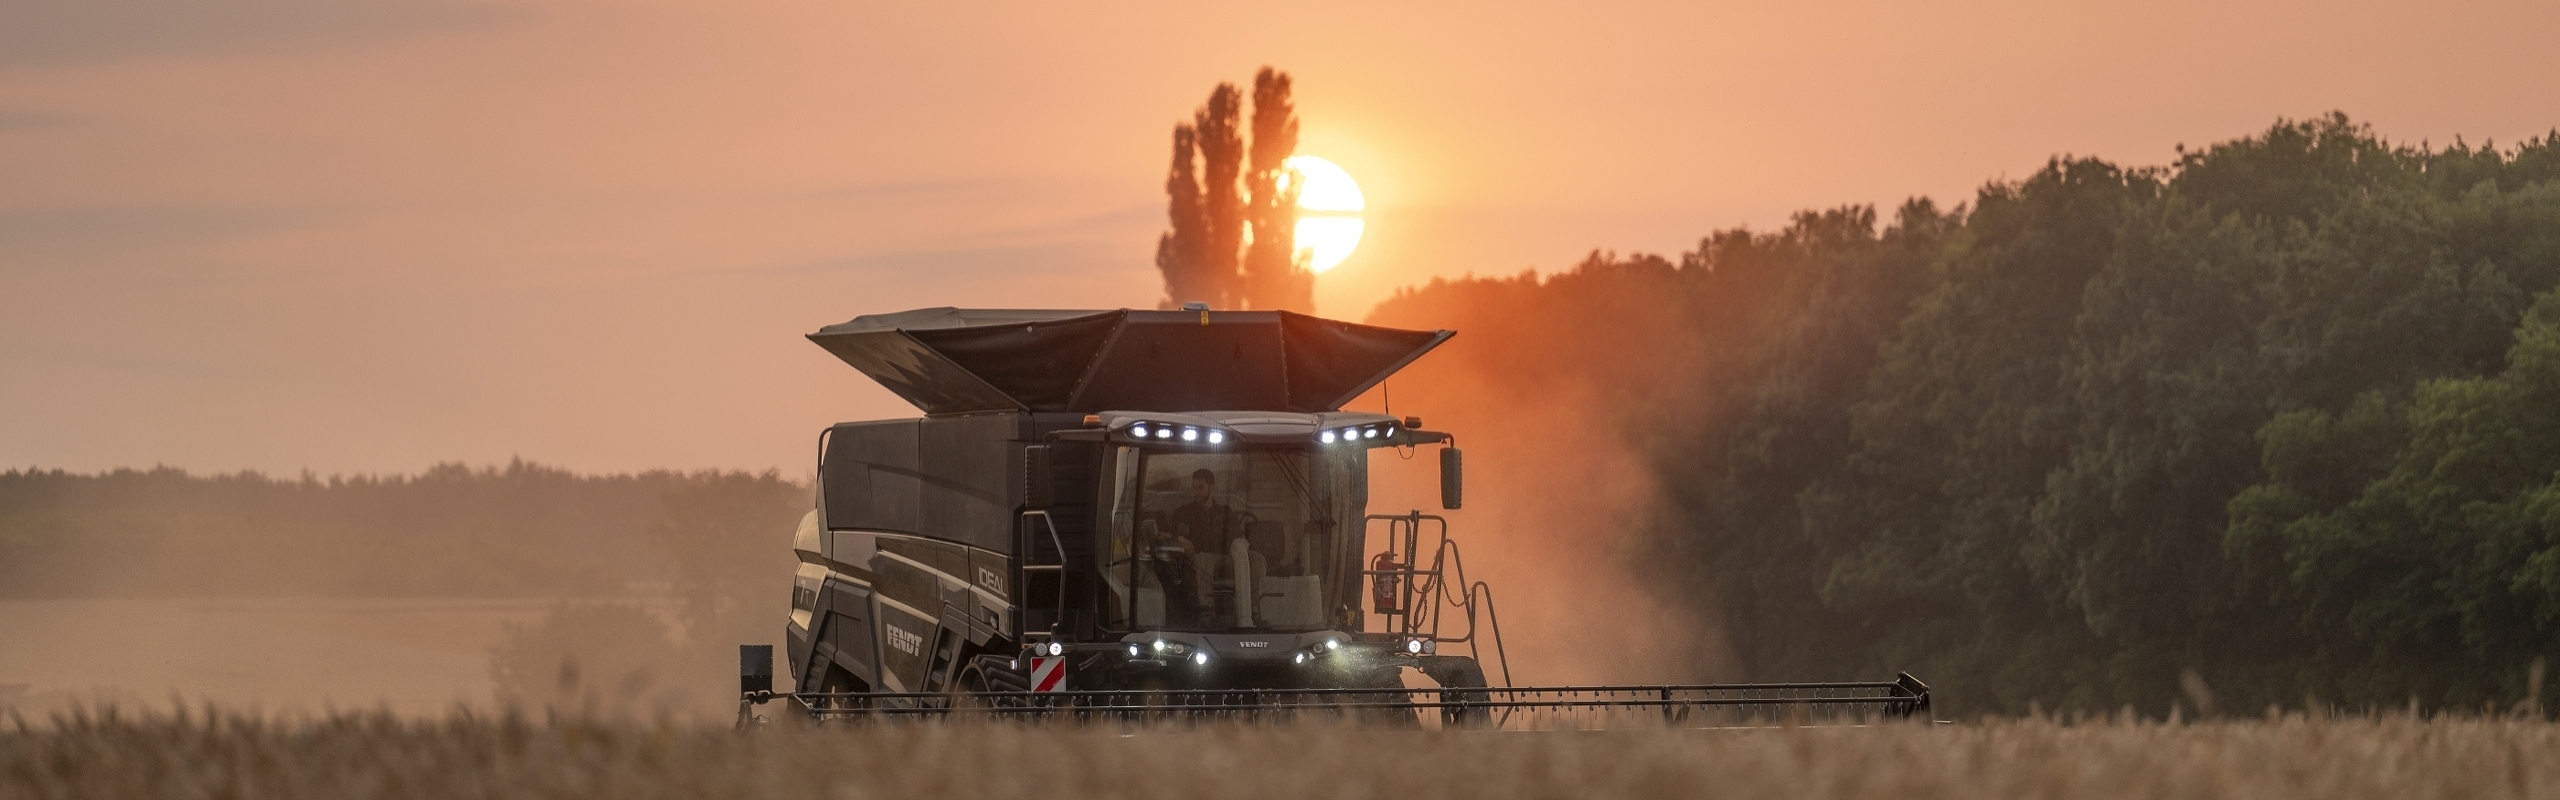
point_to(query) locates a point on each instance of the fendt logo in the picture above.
(907, 643)
(992, 581)
(1253, 644)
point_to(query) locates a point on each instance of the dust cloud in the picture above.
(1560, 502)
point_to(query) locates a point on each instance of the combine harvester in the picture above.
(1163, 515)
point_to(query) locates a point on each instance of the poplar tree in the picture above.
(1182, 251)
(1221, 145)
(1232, 242)
(1274, 276)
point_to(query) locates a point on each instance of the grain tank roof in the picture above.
(955, 360)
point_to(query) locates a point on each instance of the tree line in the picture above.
(2276, 423)
(520, 530)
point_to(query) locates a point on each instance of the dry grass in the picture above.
(195, 755)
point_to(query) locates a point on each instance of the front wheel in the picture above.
(1464, 701)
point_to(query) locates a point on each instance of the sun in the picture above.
(1329, 206)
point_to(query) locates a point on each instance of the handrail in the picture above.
(1022, 556)
(1434, 592)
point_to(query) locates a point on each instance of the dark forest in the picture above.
(2278, 423)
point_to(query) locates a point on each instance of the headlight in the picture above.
(1325, 437)
(1133, 649)
(1164, 433)
(1139, 431)
(1200, 658)
(1300, 658)
(1413, 646)
(1057, 648)
(1217, 437)
(1191, 434)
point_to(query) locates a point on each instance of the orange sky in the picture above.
(288, 234)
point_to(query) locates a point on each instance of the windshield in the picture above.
(1233, 540)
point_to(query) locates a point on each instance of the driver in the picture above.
(1204, 523)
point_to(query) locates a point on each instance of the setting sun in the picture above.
(1329, 206)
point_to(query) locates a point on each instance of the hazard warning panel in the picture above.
(1048, 673)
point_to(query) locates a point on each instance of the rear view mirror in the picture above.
(1039, 491)
(1453, 478)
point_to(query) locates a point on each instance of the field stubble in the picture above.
(104, 753)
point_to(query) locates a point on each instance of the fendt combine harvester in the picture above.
(1116, 515)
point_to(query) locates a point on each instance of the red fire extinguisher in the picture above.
(1382, 590)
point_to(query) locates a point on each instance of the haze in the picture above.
(293, 234)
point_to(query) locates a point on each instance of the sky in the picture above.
(291, 235)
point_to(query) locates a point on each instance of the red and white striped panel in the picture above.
(1048, 673)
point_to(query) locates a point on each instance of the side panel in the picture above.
(951, 569)
(849, 553)
(799, 637)
(796, 646)
(905, 566)
(952, 478)
(989, 576)
(910, 606)
(927, 512)
(871, 478)
(906, 639)
(972, 478)
(840, 636)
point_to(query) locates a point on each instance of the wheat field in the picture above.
(199, 754)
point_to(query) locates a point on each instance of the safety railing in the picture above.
(1416, 599)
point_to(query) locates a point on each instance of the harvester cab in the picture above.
(1226, 552)
(1148, 512)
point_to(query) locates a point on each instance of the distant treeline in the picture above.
(2285, 414)
(523, 530)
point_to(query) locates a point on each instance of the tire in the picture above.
(1457, 676)
(1001, 676)
(1469, 715)
(995, 683)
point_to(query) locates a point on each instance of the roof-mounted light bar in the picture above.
(1353, 433)
(1171, 432)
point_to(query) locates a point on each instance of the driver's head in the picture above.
(1203, 483)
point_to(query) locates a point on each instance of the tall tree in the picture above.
(1275, 276)
(1217, 202)
(1182, 253)
(1221, 143)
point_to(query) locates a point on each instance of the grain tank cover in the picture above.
(957, 361)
